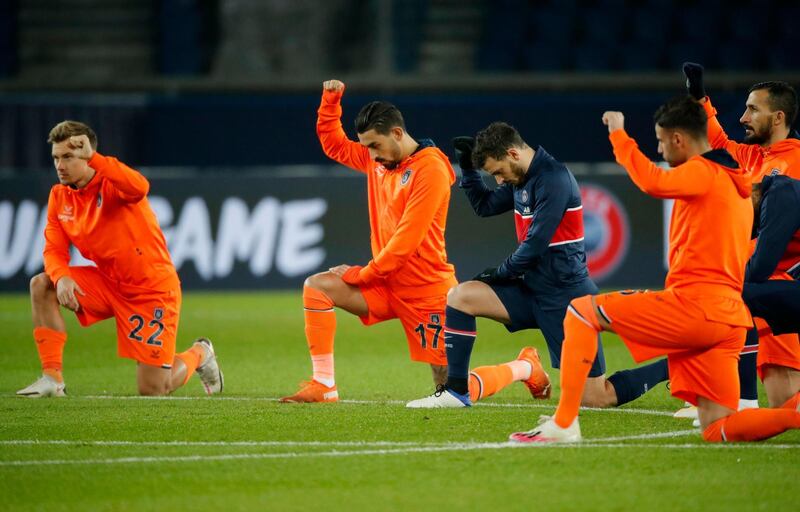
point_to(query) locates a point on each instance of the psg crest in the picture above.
(606, 231)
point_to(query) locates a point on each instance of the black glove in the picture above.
(694, 80)
(488, 276)
(463, 148)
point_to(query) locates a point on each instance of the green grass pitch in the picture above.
(103, 448)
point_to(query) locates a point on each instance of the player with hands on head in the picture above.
(100, 206)
(533, 286)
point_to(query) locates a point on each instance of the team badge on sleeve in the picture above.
(406, 176)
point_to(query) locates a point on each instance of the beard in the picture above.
(388, 164)
(756, 136)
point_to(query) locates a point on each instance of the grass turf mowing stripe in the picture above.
(650, 412)
(400, 451)
(79, 442)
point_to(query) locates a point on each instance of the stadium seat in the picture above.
(546, 57)
(745, 25)
(551, 26)
(595, 57)
(697, 51)
(651, 26)
(738, 56)
(641, 57)
(602, 25)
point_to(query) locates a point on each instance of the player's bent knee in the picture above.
(41, 286)
(463, 297)
(324, 282)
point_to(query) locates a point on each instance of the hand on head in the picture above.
(80, 146)
(463, 147)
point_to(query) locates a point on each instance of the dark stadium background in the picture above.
(215, 102)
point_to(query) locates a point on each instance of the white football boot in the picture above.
(547, 431)
(442, 398)
(209, 372)
(45, 386)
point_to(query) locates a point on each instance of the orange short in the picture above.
(147, 321)
(703, 355)
(778, 350)
(422, 319)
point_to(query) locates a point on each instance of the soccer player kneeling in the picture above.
(100, 206)
(699, 320)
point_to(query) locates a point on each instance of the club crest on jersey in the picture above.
(524, 196)
(99, 199)
(606, 229)
(774, 172)
(158, 313)
(436, 319)
(406, 176)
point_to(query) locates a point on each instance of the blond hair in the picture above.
(66, 129)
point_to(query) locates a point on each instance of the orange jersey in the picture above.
(709, 238)
(111, 223)
(407, 209)
(783, 157)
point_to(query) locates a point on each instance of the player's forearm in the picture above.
(652, 179)
(484, 201)
(56, 263)
(131, 185)
(333, 139)
(716, 134)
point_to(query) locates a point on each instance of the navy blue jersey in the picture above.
(778, 230)
(548, 216)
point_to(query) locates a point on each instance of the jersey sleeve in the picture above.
(551, 194)
(778, 222)
(719, 139)
(56, 244)
(485, 201)
(682, 182)
(431, 188)
(334, 141)
(130, 185)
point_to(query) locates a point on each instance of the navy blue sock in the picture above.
(633, 383)
(748, 376)
(459, 337)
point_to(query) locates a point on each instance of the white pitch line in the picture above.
(79, 442)
(649, 412)
(406, 450)
(71, 442)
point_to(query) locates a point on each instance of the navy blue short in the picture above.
(525, 313)
(777, 302)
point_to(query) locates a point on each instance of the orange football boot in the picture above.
(539, 382)
(313, 391)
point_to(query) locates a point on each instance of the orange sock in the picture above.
(752, 425)
(191, 359)
(577, 356)
(485, 381)
(793, 403)
(50, 344)
(320, 329)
